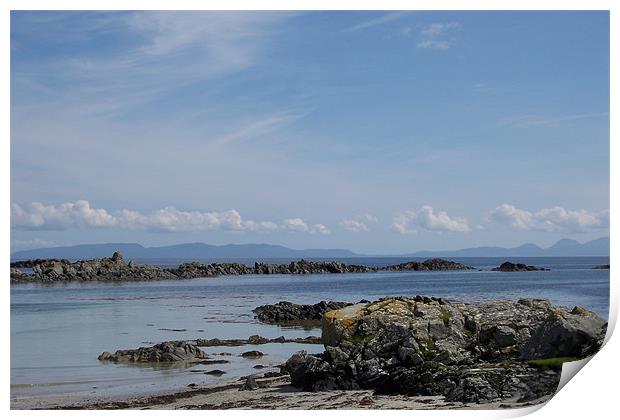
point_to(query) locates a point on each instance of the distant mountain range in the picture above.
(562, 248)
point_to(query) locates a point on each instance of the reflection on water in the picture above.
(58, 332)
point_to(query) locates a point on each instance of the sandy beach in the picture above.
(273, 393)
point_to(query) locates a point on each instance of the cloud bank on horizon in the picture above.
(381, 132)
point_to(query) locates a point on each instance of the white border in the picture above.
(591, 395)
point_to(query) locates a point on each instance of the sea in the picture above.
(57, 332)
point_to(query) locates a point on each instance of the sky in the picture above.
(379, 132)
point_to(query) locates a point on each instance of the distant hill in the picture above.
(562, 248)
(182, 251)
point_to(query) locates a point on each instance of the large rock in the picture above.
(510, 267)
(168, 351)
(429, 346)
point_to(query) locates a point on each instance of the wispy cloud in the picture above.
(427, 218)
(525, 121)
(381, 20)
(554, 219)
(438, 36)
(80, 215)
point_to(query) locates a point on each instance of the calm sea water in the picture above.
(57, 332)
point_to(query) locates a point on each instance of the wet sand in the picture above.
(273, 393)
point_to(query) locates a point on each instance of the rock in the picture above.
(250, 384)
(215, 372)
(510, 267)
(259, 366)
(168, 351)
(255, 340)
(252, 354)
(287, 312)
(433, 264)
(429, 346)
(566, 334)
(601, 267)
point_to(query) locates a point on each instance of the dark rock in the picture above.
(601, 267)
(252, 354)
(255, 340)
(215, 372)
(433, 264)
(510, 267)
(287, 312)
(168, 351)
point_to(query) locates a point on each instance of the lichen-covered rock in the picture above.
(168, 351)
(429, 346)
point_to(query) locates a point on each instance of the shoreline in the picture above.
(272, 393)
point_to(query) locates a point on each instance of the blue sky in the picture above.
(381, 132)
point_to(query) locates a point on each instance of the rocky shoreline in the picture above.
(396, 352)
(470, 353)
(117, 269)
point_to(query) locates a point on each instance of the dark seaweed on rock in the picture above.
(287, 312)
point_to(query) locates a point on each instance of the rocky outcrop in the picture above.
(103, 269)
(255, 340)
(428, 346)
(168, 351)
(287, 312)
(35, 262)
(601, 267)
(433, 264)
(510, 267)
(116, 269)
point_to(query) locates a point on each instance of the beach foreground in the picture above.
(273, 393)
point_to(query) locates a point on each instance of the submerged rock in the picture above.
(428, 346)
(168, 351)
(509, 267)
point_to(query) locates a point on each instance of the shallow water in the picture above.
(57, 332)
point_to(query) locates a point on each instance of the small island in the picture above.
(512, 267)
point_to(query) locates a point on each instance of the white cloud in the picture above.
(426, 218)
(354, 225)
(438, 35)
(554, 219)
(359, 223)
(170, 219)
(321, 229)
(66, 215)
(298, 225)
(80, 215)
